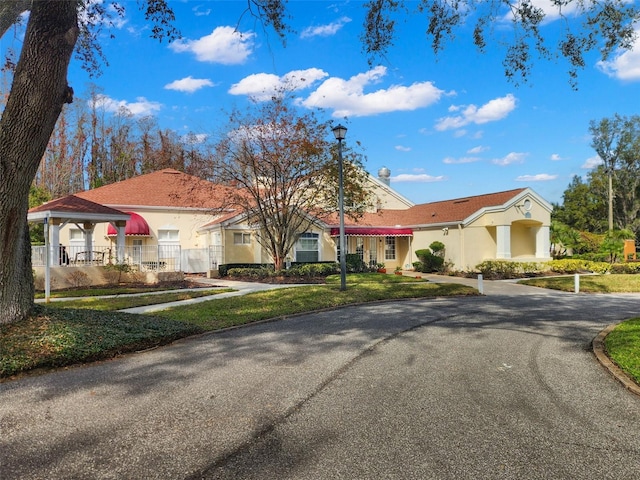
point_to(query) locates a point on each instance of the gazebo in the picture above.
(85, 215)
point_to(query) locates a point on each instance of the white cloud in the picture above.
(141, 107)
(225, 45)
(325, 30)
(348, 98)
(453, 161)
(540, 177)
(263, 86)
(478, 149)
(189, 84)
(401, 148)
(551, 10)
(592, 162)
(555, 157)
(625, 64)
(492, 111)
(419, 178)
(199, 12)
(195, 138)
(513, 157)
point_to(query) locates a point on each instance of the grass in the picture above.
(120, 303)
(610, 283)
(623, 347)
(98, 291)
(57, 336)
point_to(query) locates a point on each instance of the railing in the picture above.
(144, 258)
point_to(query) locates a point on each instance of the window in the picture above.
(307, 248)
(76, 235)
(389, 248)
(242, 238)
(169, 235)
(360, 247)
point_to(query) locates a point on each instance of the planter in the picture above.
(382, 270)
(398, 273)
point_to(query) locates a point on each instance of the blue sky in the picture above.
(446, 127)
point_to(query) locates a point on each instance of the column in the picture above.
(543, 242)
(88, 241)
(503, 239)
(54, 241)
(120, 239)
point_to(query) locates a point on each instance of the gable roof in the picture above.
(447, 211)
(73, 207)
(164, 188)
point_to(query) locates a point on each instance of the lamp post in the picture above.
(340, 133)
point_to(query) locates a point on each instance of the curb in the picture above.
(600, 353)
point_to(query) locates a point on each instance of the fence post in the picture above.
(576, 283)
(480, 286)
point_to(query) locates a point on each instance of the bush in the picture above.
(355, 263)
(310, 270)
(429, 262)
(498, 269)
(114, 272)
(571, 265)
(78, 278)
(437, 248)
(223, 270)
(250, 272)
(631, 268)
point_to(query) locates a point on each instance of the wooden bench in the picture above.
(89, 258)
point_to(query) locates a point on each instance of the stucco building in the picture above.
(174, 223)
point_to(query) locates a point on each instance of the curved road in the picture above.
(502, 386)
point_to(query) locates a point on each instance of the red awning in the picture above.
(373, 232)
(136, 226)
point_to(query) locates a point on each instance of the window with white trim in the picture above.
(241, 238)
(389, 248)
(76, 235)
(307, 248)
(166, 235)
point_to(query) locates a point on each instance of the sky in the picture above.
(447, 127)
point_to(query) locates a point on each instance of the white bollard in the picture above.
(480, 287)
(576, 284)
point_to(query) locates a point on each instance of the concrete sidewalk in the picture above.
(241, 288)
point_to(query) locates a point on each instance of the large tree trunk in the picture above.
(37, 95)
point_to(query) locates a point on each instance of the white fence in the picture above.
(171, 258)
(145, 258)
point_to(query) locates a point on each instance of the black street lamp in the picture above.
(340, 133)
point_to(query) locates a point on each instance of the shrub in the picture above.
(429, 262)
(114, 271)
(571, 265)
(437, 248)
(631, 268)
(223, 270)
(251, 272)
(78, 278)
(355, 263)
(498, 269)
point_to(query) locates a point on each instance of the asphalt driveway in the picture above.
(500, 386)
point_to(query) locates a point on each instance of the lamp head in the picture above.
(340, 132)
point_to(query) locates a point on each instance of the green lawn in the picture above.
(58, 335)
(623, 347)
(120, 303)
(610, 283)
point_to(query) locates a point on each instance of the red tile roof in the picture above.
(446, 211)
(164, 188)
(75, 204)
